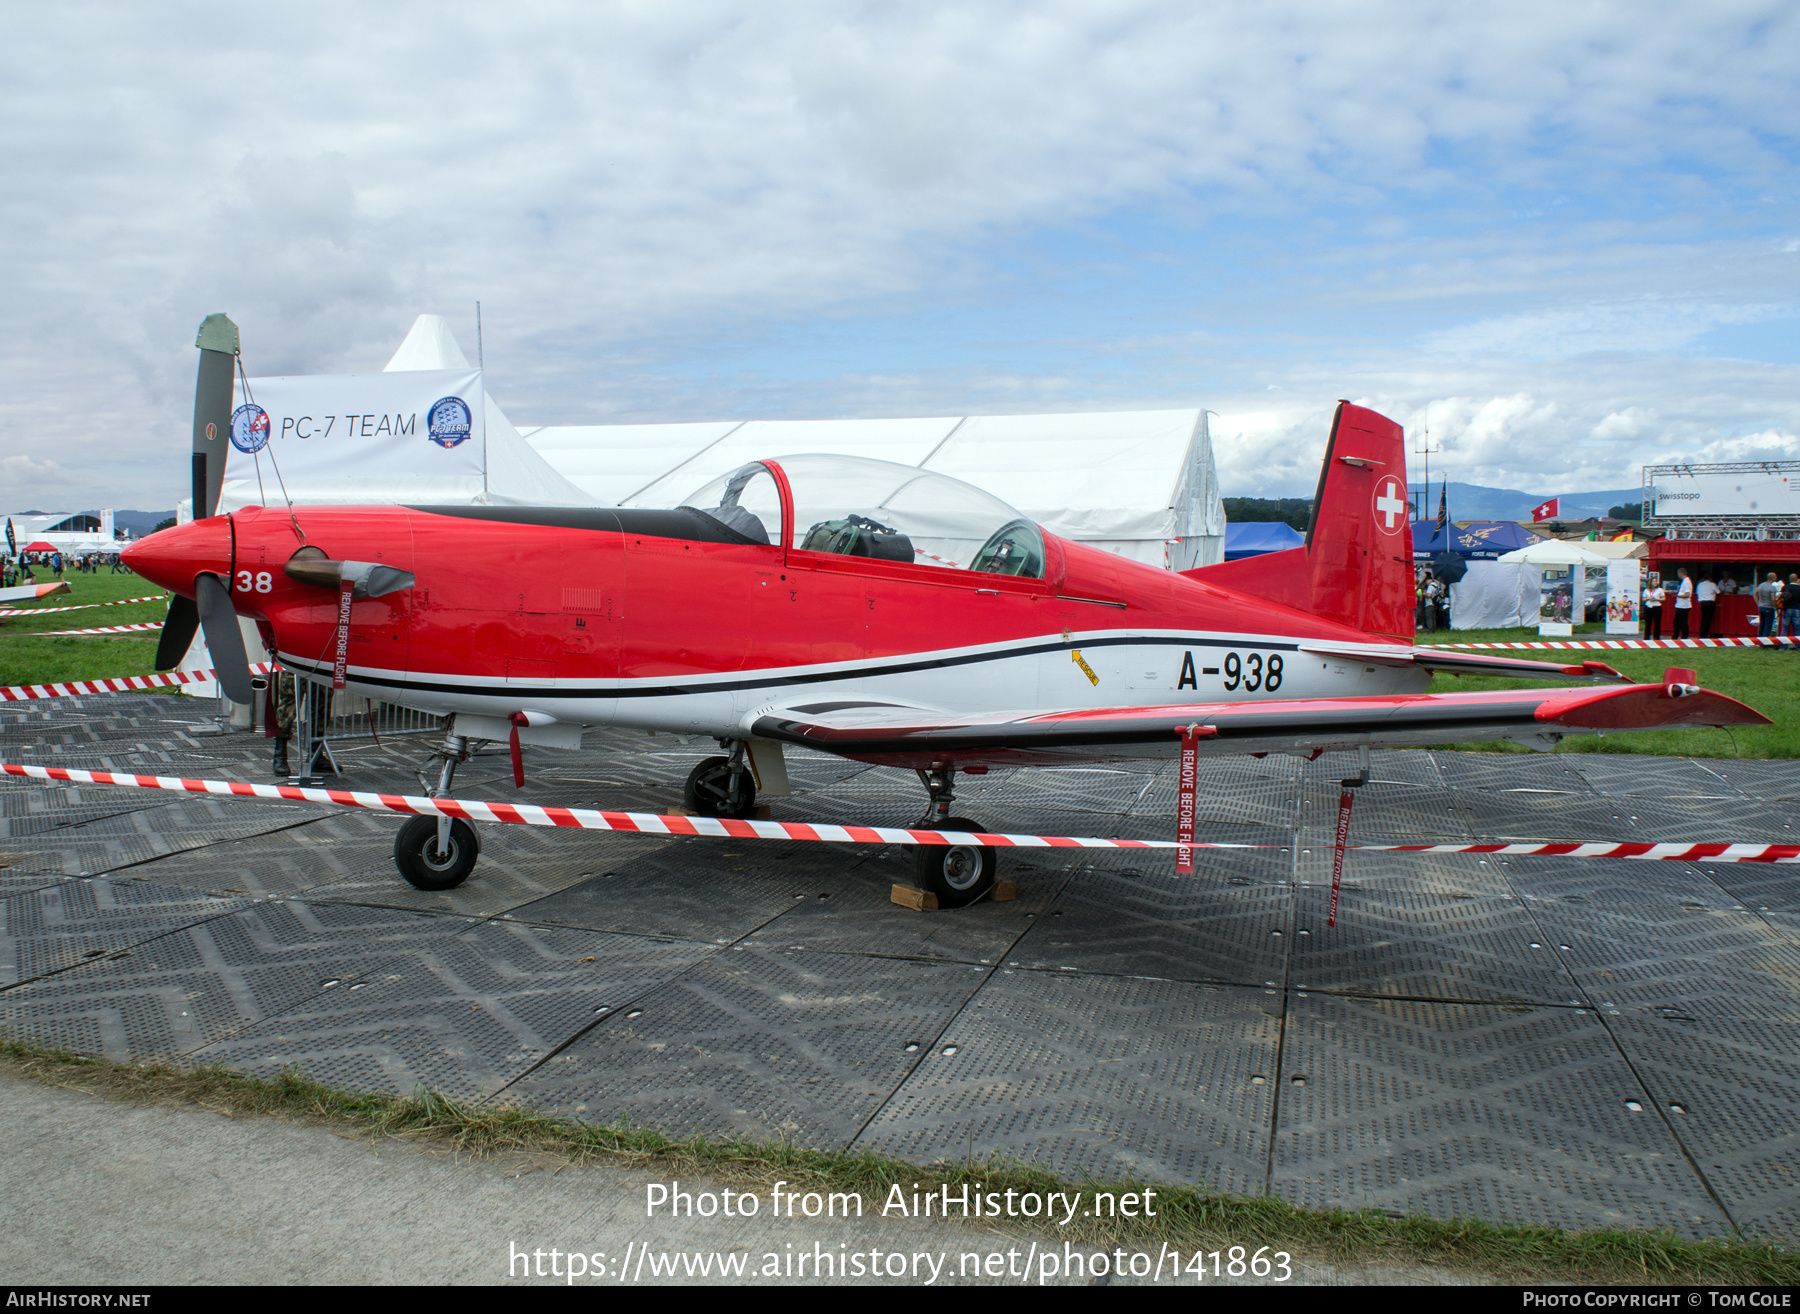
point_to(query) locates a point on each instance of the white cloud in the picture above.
(23, 471)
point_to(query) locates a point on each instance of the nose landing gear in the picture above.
(438, 853)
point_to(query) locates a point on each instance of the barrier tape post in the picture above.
(1345, 799)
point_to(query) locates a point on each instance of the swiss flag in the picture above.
(1547, 511)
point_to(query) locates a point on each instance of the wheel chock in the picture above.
(911, 896)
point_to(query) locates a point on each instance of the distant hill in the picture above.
(1467, 502)
(140, 522)
(1475, 502)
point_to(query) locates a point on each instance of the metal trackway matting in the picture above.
(1528, 1039)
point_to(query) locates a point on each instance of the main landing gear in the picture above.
(721, 786)
(958, 874)
(438, 853)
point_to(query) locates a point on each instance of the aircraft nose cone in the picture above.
(172, 557)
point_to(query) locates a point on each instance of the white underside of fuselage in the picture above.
(1116, 668)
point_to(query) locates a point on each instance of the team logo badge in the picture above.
(249, 428)
(448, 421)
(1390, 505)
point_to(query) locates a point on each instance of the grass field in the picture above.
(27, 658)
(1767, 679)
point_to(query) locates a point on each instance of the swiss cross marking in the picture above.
(1390, 507)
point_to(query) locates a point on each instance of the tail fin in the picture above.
(1357, 565)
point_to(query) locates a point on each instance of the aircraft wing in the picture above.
(898, 735)
(32, 592)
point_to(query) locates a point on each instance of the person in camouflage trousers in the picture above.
(283, 715)
(279, 722)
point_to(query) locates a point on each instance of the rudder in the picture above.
(1357, 565)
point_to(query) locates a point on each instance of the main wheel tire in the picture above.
(710, 791)
(958, 874)
(416, 854)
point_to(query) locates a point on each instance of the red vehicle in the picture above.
(876, 611)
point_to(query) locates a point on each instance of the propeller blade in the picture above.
(218, 343)
(177, 633)
(224, 640)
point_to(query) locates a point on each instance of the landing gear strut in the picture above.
(721, 786)
(438, 853)
(957, 874)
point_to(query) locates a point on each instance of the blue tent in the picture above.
(1252, 538)
(1479, 540)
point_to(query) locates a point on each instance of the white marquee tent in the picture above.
(516, 474)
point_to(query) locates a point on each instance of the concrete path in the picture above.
(108, 1191)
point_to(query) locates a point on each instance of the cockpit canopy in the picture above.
(854, 506)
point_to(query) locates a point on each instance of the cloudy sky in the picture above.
(1566, 234)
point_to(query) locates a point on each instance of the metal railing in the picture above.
(350, 717)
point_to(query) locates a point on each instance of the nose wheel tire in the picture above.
(425, 867)
(958, 874)
(712, 790)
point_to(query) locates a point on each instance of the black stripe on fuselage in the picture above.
(788, 681)
(681, 523)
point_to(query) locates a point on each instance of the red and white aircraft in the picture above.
(32, 592)
(875, 611)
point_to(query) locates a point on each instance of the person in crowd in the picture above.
(1706, 593)
(281, 719)
(1790, 608)
(1684, 604)
(1434, 596)
(1653, 610)
(1768, 594)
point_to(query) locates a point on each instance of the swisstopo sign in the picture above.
(1698, 490)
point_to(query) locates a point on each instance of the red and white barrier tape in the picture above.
(643, 823)
(8, 613)
(649, 823)
(19, 693)
(103, 629)
(1633, 643)
(921, 552)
